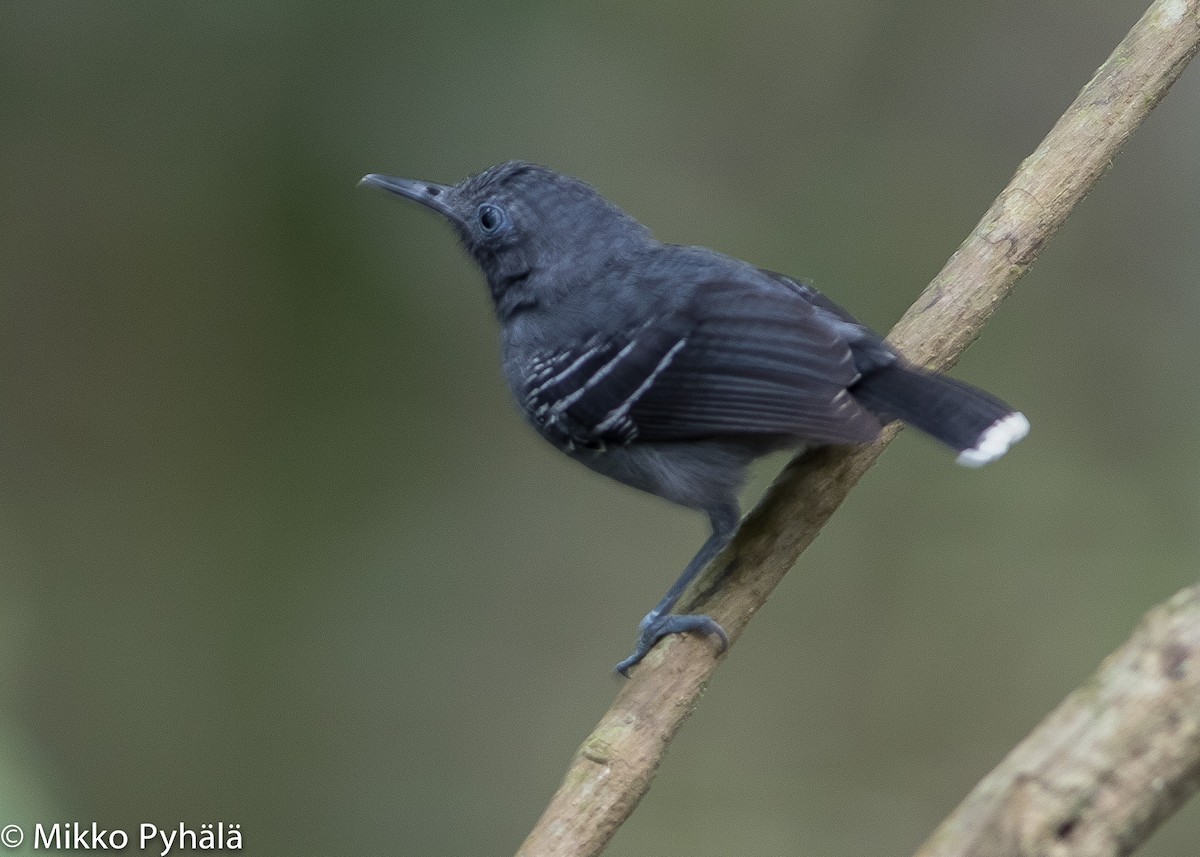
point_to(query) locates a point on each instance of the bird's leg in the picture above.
(661, 621)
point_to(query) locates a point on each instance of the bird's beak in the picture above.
(435, 196)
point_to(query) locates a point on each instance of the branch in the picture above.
(614, 766)
(1110, 764)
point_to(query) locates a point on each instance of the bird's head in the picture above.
(519, 219)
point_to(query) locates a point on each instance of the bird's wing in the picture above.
(738, 359)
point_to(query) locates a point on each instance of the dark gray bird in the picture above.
(671, 368)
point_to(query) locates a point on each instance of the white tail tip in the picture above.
(995, 441)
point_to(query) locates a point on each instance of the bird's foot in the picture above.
(654, 627)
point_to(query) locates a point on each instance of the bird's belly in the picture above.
(696, 474)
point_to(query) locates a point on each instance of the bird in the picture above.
(670, 368)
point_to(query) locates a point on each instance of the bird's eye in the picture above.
(491, 218)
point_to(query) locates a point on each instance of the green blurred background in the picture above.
(276, 549)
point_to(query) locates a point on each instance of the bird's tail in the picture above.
(976, 424)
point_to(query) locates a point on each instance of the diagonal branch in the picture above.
(614, 766)
(1109, 765)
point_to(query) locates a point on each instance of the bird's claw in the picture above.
(654, 628)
